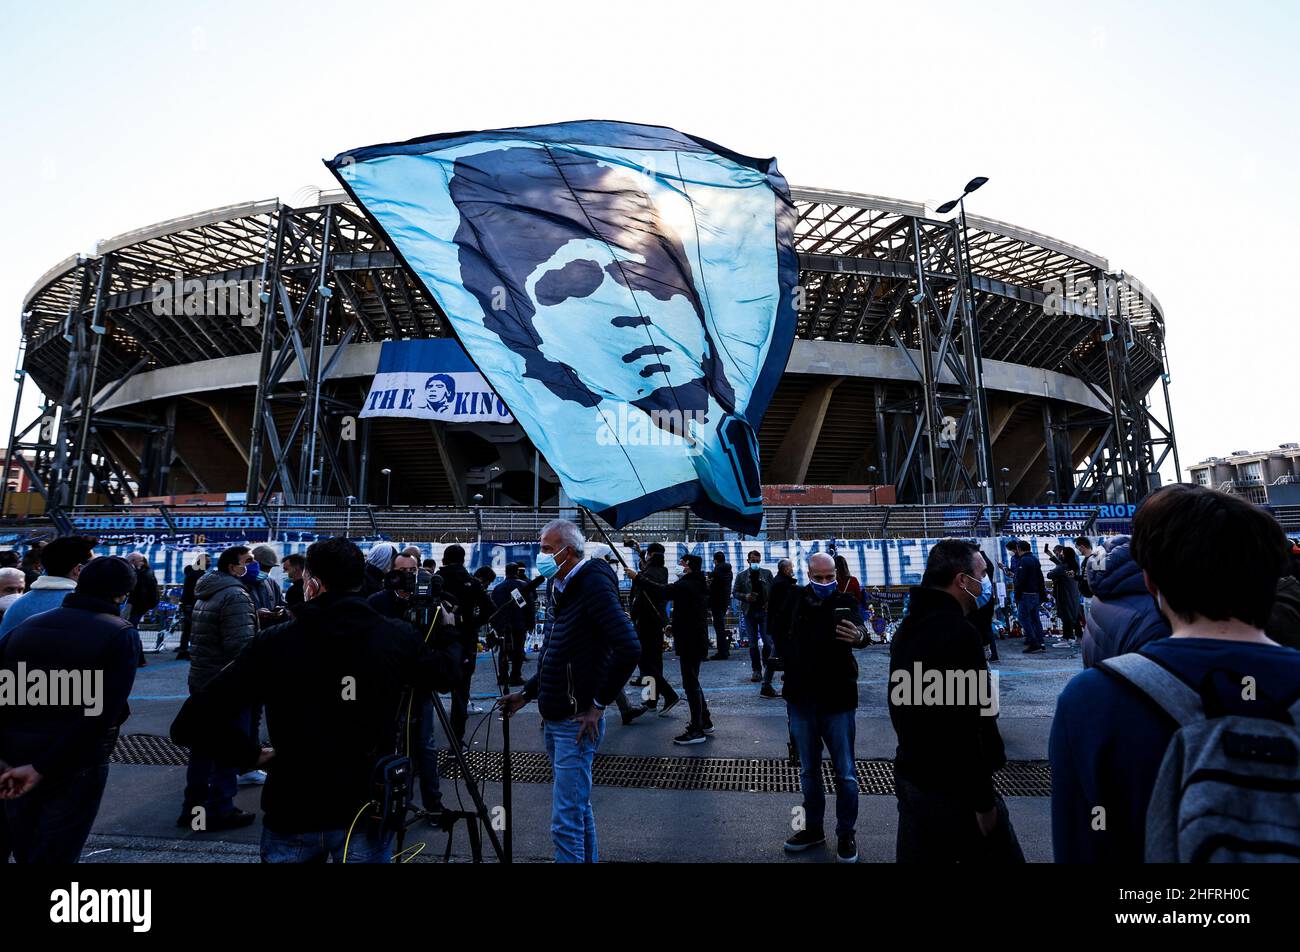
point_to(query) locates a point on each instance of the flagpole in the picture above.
(608, 541)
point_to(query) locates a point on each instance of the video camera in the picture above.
(420, 589)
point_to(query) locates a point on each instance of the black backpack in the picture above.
(1228, 790)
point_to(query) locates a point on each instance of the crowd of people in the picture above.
(1192, 619)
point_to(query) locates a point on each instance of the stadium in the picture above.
(225, 356)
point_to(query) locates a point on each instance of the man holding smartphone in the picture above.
(821, 628)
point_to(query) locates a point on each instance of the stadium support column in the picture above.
(929, 394)
(1170, 440)
(268, 300)
(314, 468)
(796, 450)
(1114, 341)
(882, 437)
(74, 332)
(87, 382)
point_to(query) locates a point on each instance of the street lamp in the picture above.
(388, 487)
(871, 476)
(976, 364)
(1006, 485)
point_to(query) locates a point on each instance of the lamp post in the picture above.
(388, 487)
(984, 449)
(1006, 485)
(871, 475)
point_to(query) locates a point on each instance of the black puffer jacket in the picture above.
(224, 622)
(590, 649)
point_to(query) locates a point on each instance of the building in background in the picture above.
(1268, 477)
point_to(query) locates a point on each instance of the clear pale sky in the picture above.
(1162, 135)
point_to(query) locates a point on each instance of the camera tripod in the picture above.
(426, 617)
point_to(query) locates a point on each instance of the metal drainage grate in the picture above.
(1031, 778)
(1027, 778)
(149, 750)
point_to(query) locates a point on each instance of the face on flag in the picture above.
(626, 290)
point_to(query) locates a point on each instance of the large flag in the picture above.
(627, 291)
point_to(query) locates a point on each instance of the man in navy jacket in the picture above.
(1209, 563)
(590, 652)
(57, 753)
(1031, 590)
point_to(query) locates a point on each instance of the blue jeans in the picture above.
(426, 759)
(50, 824)
(573, 824)
(756, 624)
(1030, 623)
(366, 846)
(810, 729)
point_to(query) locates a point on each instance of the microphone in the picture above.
(532, 586)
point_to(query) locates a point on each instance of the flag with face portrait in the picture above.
(627, 290)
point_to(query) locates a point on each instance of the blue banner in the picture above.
(627, 290)
(431, 380)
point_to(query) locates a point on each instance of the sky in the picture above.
(1162, 136)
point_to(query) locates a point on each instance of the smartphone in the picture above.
(844, 614)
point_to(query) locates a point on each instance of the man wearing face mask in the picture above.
(225, 622)
(822, 627)
(690, 597)
(590, 651)
(949, 746)
(753, 586)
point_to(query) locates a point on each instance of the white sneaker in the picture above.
(252, 777)
(474, 708)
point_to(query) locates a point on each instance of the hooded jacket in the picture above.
(47, 592)
(1123, 616)
(332, 681)
(224, 622)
